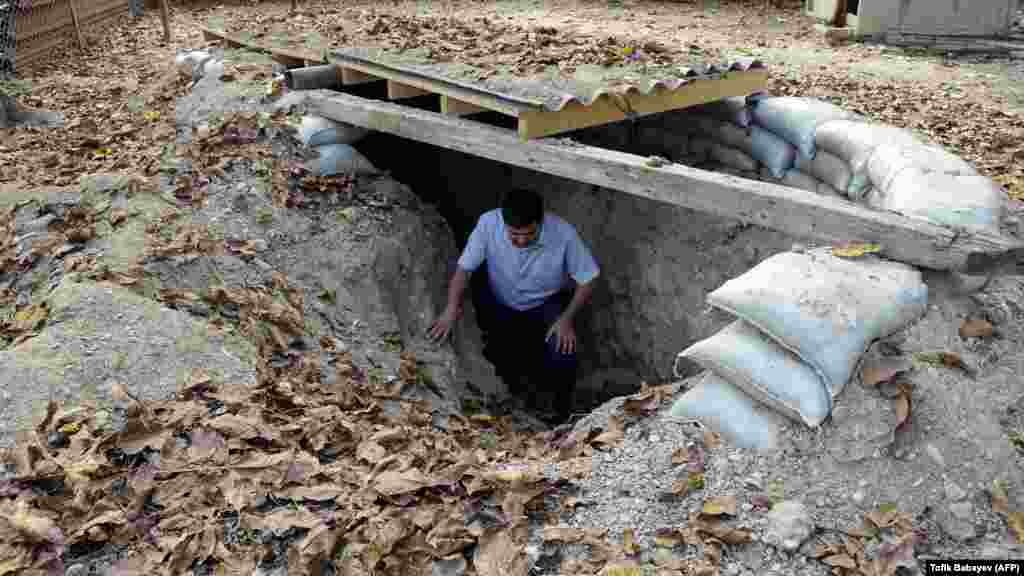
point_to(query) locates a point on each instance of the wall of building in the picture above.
(878, 18)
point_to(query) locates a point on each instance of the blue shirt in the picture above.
(523, 278)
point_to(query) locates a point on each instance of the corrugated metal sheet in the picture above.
(550, 92)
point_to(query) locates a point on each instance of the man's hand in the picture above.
(566, 334)
(442, 327)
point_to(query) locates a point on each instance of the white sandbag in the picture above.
(888, 160)
(733, 158)
(190, 64)
(337, 159)
(766, 371)
(212, 69)
(796, 119)
(776, 154)
(825, 309)
(796, 179)
(701, 148)
(725, 409)
(733, 136)
(826, 167)
(855, 142)
(317, 131)
(969, 201)
(733, 109)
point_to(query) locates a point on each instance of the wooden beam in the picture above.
(78, 25)
(454, 107)
(801, 214)
(606, 109)
(293, 58)
(350, 76)
(399, 91)
(481, 99)
(165, 19)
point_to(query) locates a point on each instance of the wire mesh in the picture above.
(8, 16)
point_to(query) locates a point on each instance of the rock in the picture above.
(858, 496)
(954, 492)
(454, 565)
(935, 455)
(788, 525)
(957, 521)
(76, 570)
(962, 510)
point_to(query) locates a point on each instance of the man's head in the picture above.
(523, 212)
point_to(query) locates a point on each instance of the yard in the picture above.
(215, 257)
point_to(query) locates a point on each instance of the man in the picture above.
(532, 260)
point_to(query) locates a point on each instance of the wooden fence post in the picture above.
(165, 18)
(78, 27)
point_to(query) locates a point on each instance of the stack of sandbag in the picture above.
(725, 136)
(804, 320)
(333, 143)
(891, 169)
(813, 145)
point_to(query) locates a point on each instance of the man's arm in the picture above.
(580, 297)
(457, 288)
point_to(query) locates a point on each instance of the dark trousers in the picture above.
(514, 342)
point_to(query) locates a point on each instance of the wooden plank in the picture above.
(455, 107)
(606, 110)
(399, 91)
(799, 213)
(350, 77)
(292, 58)
(438, 87)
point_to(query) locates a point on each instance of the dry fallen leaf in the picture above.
(1016, 522)
(712, 439)
(884, 369)
(902, 409)
(629, 544)
(1000, 499)
(30, 523)
(613, 435)
(499, 555)
(944, 359)
(667, 538)
(856, 250)
(720, 505)
(976, 328)
(842, 561)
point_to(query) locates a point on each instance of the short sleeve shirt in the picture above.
(523, 278)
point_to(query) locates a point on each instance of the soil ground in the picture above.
(120, 96)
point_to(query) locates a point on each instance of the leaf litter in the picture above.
(151, 484)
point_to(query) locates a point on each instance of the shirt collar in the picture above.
(541, 237)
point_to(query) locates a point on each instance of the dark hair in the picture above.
(521, 208)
